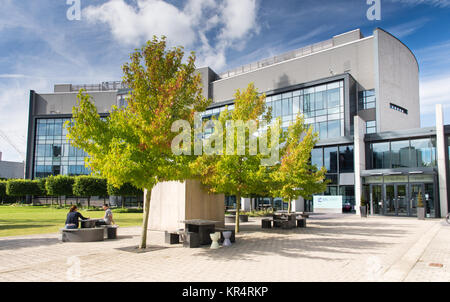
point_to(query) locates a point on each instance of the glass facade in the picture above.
(371, 127)
(366, 99)
(321, 105)
(53, 154)
(403, 154)
(337, 160)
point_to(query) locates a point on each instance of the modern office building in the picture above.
(361, 94)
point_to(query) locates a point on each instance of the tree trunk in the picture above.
(89, 202)
(148, 196)
(289, 207)
(65, 201)
(238, 208)
(123, 202)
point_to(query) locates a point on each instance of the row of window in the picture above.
(334, 159)
(403, 154)
(322, 107)
(53, 154)
(366, 99)
(42, 171)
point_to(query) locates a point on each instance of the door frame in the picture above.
(381, 185)
(395, 198)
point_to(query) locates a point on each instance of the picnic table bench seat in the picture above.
(82, 235)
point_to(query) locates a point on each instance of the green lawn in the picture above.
(25, 220)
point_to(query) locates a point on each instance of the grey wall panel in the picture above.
(355, 58)
(398, 84)
(62, 103)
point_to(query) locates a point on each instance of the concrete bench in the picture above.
(191, 239)
(172, 237)
(232, 218)
(301, 222)
(82, 235)
(110, 231)
(266, 223)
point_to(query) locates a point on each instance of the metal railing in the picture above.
(280, 58)
(104, 86)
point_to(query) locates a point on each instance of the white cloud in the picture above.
(206, 26)
(436, 3)
(435, 90)
(408, 28)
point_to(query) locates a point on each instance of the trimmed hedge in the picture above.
(2, 188)
(87, 186)
(23, 187)
(126, 189)
(60, 185)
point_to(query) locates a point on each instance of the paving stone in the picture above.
(331, 248)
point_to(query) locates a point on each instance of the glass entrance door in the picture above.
(376, 195)
(389, 204)
(402, 200)
(396, 200)
(415, 189)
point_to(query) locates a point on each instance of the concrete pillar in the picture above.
(298, 205)
(245, 204)
(360, 158)
(441, 160)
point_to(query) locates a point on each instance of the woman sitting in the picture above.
(72, 218)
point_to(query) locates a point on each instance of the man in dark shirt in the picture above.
(73, 217)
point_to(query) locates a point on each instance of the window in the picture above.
(317, 157)
(400, 153)
(404, 154)
(381, 156)
(346, 159)
(371, 127)
(422, 153)
(366, 99)
(331, 159)
(398, 108)
(53, 155)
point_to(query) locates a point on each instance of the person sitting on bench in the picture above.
(108, 219)
(72, 220)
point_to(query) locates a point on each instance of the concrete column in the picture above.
(245, 204)
(441, 160)
(298, 205)
(359, 158)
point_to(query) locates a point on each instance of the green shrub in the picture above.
(126, 189)
(23, 187)
(2, 188)
(87, 186)
(42, 182)
(60, 185)
(261, 213)
(128, 210)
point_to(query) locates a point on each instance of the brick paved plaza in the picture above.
(331, 248)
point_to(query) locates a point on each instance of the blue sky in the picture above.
(39, 46)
